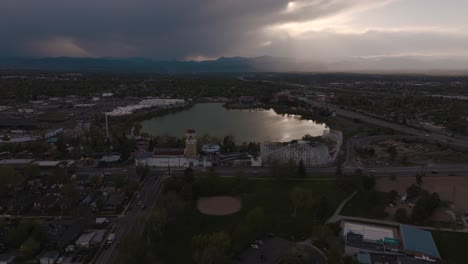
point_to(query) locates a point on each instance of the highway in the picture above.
(453, 142)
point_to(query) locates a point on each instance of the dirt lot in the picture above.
(397, 152)
(219, 205)
(452, 189)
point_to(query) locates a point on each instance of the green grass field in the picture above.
(273, 196)
(452, 246)
(365, 204)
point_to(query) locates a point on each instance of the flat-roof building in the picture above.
(16, 163)
(400, 244)
(418, 242)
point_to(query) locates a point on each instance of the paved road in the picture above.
(334, 217)
(128, 223)
(393, 223)
(434, 170)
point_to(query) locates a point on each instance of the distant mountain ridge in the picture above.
(241, 64)
(223, 64)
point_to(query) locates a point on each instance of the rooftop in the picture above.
(369, 232)
(16, 161)
(168, 152)
(418, 241)
(112, 158)
(48, 163)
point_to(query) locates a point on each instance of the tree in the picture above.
(58, 176)
(321, 233)
(368, 182)
(173, 204)
(424, 207)
(32, 171)
(151, 145)
(158, 219)
(294, 256)
(211, 248)
(29, 248)
(60, 145)
(334, 256)
(229, 144)
(16, 236)
(413, 191)
(255, 220)
(133, 250)
(9, 179)
(189, 175)
(71, 194)
(322, 208)
(137, 128)
(339, 170)
(301, 170)
(419, 179)
(392, 195)
(350, 260)
(393, 151)
(301, 198)
(401, 215)
(241, 182)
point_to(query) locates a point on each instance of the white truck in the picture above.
(110, 239)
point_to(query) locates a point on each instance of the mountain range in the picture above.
(240, 64)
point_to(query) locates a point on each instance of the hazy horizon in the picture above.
(331, 34)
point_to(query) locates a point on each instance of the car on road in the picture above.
(255, 246)
(259, 242)
(110, 239)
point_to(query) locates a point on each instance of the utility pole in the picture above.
(107, 127)
(453, 196)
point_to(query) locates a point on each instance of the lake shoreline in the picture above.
(246, 125)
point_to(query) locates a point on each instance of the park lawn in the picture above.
(56, 116)
(452, 246)
(273, 196)
(363, 204)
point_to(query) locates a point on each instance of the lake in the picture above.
(244, 125)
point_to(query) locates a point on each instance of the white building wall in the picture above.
(164, 162)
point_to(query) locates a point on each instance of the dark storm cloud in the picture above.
(159, 28)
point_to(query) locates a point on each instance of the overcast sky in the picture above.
(326, 30)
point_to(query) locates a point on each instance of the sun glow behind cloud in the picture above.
(322, 30)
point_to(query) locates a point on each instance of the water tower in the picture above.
(190, 144)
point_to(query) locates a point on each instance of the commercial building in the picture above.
(418, 243)
(84, 241)
(16, 163)
(145, 104)
(7, 258)
(176, 157)
(372, 244)
(49, 257)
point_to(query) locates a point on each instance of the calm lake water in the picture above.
(244, 125)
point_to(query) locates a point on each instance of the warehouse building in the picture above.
(372, 243)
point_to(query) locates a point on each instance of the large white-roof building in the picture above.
(147, 103)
